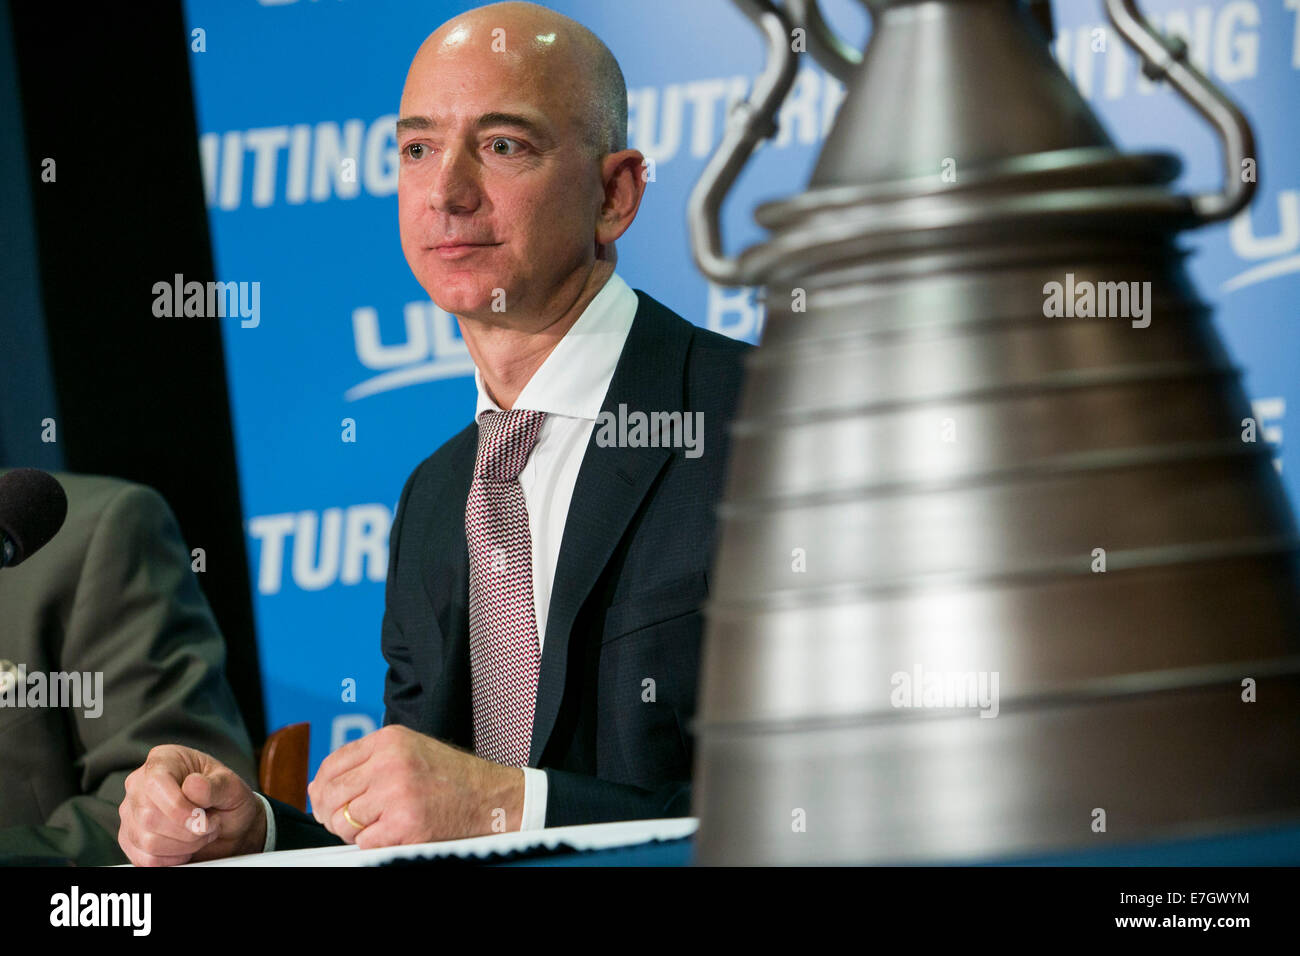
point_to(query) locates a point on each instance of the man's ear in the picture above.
(624, 188)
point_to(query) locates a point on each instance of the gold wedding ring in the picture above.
(347, 816)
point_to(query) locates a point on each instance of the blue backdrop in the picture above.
(296, 102)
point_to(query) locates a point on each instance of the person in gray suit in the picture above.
(107, 648)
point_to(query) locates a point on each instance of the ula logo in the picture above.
(1282, 248)
(432, 349)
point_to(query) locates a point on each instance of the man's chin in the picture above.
(464, 307)
(461, 295)
(458, 301)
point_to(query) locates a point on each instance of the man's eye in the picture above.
(411, 151)
(499, 141)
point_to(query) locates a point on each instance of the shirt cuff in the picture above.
(270, 823)
(534, 816)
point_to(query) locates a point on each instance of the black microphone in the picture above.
(32, 508)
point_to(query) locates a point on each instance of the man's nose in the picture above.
(455, 187)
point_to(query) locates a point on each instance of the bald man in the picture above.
(547, 565)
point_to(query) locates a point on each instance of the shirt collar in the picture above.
(574, 378)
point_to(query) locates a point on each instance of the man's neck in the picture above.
(507, 356)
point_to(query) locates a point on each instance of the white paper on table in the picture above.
(592, 836)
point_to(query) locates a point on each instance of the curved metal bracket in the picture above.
(836, 57)
(754, 120)
(751, 122)
(1165, 58)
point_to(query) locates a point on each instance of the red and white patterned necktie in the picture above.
(504, 654)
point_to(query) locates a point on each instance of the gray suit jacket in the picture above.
(112, 593)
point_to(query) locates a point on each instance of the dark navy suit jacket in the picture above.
(632, 574)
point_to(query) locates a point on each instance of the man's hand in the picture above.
(402, 787)
(183, 806)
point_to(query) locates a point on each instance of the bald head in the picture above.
(561, 54)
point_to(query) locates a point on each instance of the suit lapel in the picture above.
(610, 487)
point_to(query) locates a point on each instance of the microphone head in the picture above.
(32, 508)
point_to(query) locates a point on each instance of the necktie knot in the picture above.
(505, 440)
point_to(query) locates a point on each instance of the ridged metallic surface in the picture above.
(925, 469)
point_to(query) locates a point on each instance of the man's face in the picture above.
(523, 195)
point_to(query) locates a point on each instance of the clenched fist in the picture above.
(184, 806)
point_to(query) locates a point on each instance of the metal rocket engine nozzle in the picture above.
(995, 562)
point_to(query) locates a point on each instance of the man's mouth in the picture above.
(455, 249)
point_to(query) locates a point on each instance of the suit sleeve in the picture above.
(295, 830)
(140, 619)
(574, 798)
(402, 688)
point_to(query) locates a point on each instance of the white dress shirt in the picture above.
(570, 388)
